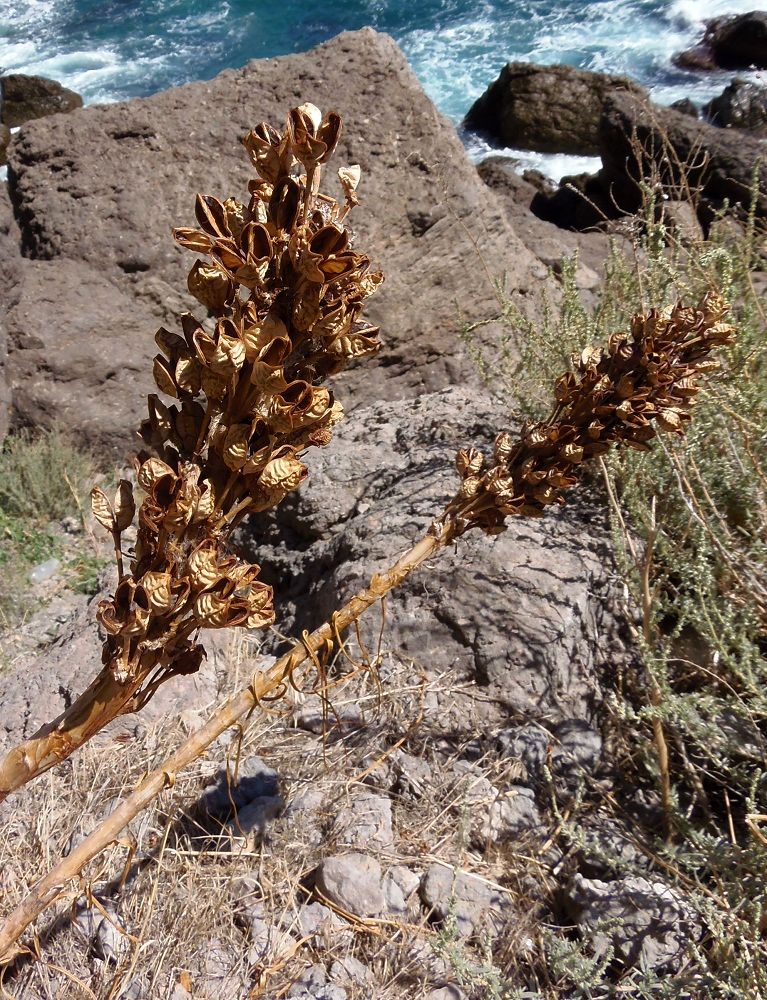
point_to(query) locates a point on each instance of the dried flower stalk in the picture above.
(643, 382)
(284, 290)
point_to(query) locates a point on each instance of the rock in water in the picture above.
(98, 272)
(740, 105)
(25, 98)
(737, 41)
(550, 109)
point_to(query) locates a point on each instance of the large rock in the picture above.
(740, 105)
(737, 41)
(639, 139)
(549, 243)
(5, 138)
(551, 109)
(635, 921)
(518, 626)
(95, 194)
(27, 97)
(524, 616)
(9, 271)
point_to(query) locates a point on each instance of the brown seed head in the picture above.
(645, 380)
(240, 394)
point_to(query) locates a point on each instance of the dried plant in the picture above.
(284, 290)
(646, 380)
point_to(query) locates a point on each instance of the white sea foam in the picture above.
(553, 165)
(456, 51)
(697, 11)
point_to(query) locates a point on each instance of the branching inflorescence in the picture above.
(645, 381)
(284, 291)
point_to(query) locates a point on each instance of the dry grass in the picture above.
(174, 886)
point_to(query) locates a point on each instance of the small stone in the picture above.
(686, 106)
(399, 884)
(680, 219)
(313, 985)
(44, 571)
(133, 991)
(101, 928)
(316, 919)
(222, 976)
(72, 525)
(350, 971)
(576, 753)
(269, 944)
(314, 718)
(253, 819)
(528, 744)
(494, 814)
(421, 955)
(353, 882)
(412, 775)
(446, 993)
(306, 800)
(235, 787)
(470, 901)
(310, 979)
(365, 822)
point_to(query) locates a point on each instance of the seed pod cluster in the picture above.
(240, 397)
(644, 381)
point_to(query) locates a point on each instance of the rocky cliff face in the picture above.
(95, 193)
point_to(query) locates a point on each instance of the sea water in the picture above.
(114, 49)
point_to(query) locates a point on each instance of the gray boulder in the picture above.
(25, 98)
(94, 270)
(551, 109)
(644, 923)
(525, 615)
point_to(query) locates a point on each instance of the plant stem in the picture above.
(48, 888)
(655, 694)
(103, 700)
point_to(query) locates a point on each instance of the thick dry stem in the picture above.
(103, 700)
(241, 704)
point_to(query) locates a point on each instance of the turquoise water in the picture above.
(125, 48)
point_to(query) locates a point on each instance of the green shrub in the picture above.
(691, 512)
(42, 480)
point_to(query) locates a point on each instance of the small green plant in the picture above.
(42, 480)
